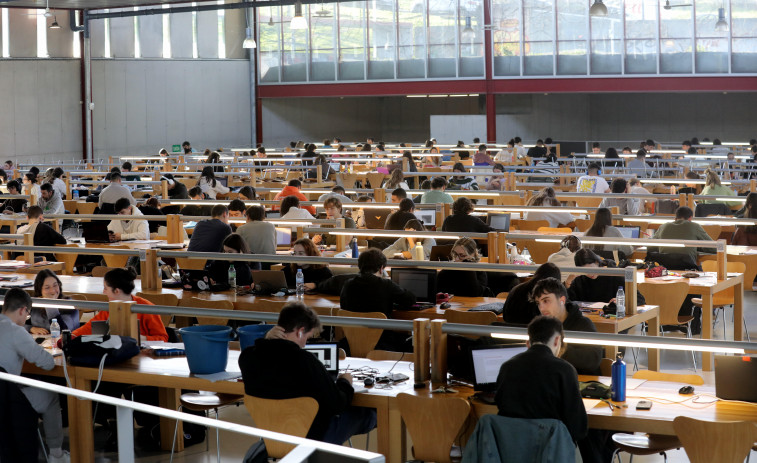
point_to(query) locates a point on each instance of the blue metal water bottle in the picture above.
(619, 379)
(353, 246)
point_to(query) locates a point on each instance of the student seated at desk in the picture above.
(13, 206)
(195, 194)
(564, 257)
(519, 308)
(596, 288)
(209, 184)
(209, 234)
(313, 273)
(51, 201)
(48, 285)
(406, 245)
(437, 195)
(16, 345)
(683, 228)
(118, 285)
(333, 208)
(290, 209)
(552, 299)
(43, 234)
(277, 367)
(114, 191)
(713, 187)
(539, 384)
(406, 212)
(237, 208)
(218, 270)
(135, 229)
(247, 193)
(602, 227)
(466, 283)
(259, 235)
(292, 189)
(462, 221)
(369, 291)
(462, 182)
(746, 235)
(626, 206)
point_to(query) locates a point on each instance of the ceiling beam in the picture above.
(210, 7)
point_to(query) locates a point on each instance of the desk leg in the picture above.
(653, 355)
(81, 434)
(738, 312)
(169, 398)
(707, 329)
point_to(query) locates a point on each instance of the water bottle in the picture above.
(353, 246)
(526, 255)
(620, 302)
(54, 330)
(76, 194)
(418, 253)
(232, 276)
(300, 283)
(619, 379)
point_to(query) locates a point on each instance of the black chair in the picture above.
(107, 208)
(703, 210)
(673, 261)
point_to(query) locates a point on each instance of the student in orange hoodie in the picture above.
(293, 189)
(118, 285)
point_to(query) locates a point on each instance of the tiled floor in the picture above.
(233, 447)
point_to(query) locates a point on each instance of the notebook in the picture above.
(328, 354)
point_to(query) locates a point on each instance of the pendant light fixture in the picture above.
(598, 9)
(468, 33)
(298, 21)
(722, 24)
(54, 24)
(249, 42)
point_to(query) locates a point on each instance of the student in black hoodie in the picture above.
(519, 308)
(278, 367)
(596, 288)
(462, 221)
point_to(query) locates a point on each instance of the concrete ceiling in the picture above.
(89, 4)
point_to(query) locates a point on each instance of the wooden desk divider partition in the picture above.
(438, 352)
(379, 194)
(151, 279)
(29, 241)
(502, 256)
(722, 258)
(122, 320)
(630, 290)
(174, 226)
(341, 240)
(492, 243)
(421, 340)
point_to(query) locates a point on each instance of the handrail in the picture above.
(125, 421)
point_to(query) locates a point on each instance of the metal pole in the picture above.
(253, 78)
(125, 424)
(87, 90)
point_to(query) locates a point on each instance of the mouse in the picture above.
(686, 390)
(445, 305)
(368, 382)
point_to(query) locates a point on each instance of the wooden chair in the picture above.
(713, 231)
(670, 297)
(199, 402)
(721, 441)
(190, 263)
(379, 355)
(84, 207)
(554, 230)
(530, 225)
(650, 444)
(348, 180)
(70, 205)
(483, 317)
(287, 416)
(584, 224)
(101, 270)
(433, 423)
(588, 202)
(208, 304)
(649, 375)
(361, 340)
(605, 367)
(723, 298)
(110, 259)
(376, 179)
(161, 299)
(68, 259)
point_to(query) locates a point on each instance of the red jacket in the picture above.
(292, 191)
(150, 325)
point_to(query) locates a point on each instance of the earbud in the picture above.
(299, 335)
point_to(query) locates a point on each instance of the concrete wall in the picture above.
(144, 105)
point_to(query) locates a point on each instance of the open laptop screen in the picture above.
(427, 216)
(328, 354)
(283, 237)
(499, 222)
(421, 282)
(487, 362)
(629, 232)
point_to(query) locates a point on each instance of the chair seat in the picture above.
(645, 444)
(203, 402)
(697, 301)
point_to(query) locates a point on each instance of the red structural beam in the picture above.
(501, 86)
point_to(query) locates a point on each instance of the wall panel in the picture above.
(122, 36)
(151, 36)
(180, 25)
(60, 42)
(207, 34)
(23, 32)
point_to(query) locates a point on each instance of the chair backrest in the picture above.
(101, 270)
(161, 299)
(187, 263)
(348, 180)
(361, 340)
(588, 202)
(433, 424)
(721, 441)
(704, 210)
(713, 231)
(483, 317)
(208, 304)
(287, 416)
(584, 224)
(669, 296)
(531, 225)
(650, 375)
(375, 179)
(605, 367)
(70, 205)
(554, 230)
(110, 259)
(68, 259)
(379, 355)
(86, 208)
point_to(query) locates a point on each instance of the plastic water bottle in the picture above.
(619, 379)
(300, 283)
(55, 330)
(526, 255)
(418, 252)
(353, 246)
(620, 302)
(232, 276)
(76, 194)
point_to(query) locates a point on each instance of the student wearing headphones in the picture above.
(592, 182)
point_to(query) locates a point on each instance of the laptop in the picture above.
(328, 354)
(487, 360)
(629, 232)
(499, 222)
(427, 216)
(283, 237)
(440, 252)
(735, 377)
(273, 279)
(95, 231)
(375, 219)
(421, 282)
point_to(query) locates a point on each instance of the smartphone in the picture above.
(644, 405)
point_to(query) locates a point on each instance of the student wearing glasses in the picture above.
(48, 285)
(313, 273)
(468, 283)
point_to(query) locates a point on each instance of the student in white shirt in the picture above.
(290, 209)
(128, 229)
(209, 184)
(592, 182)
